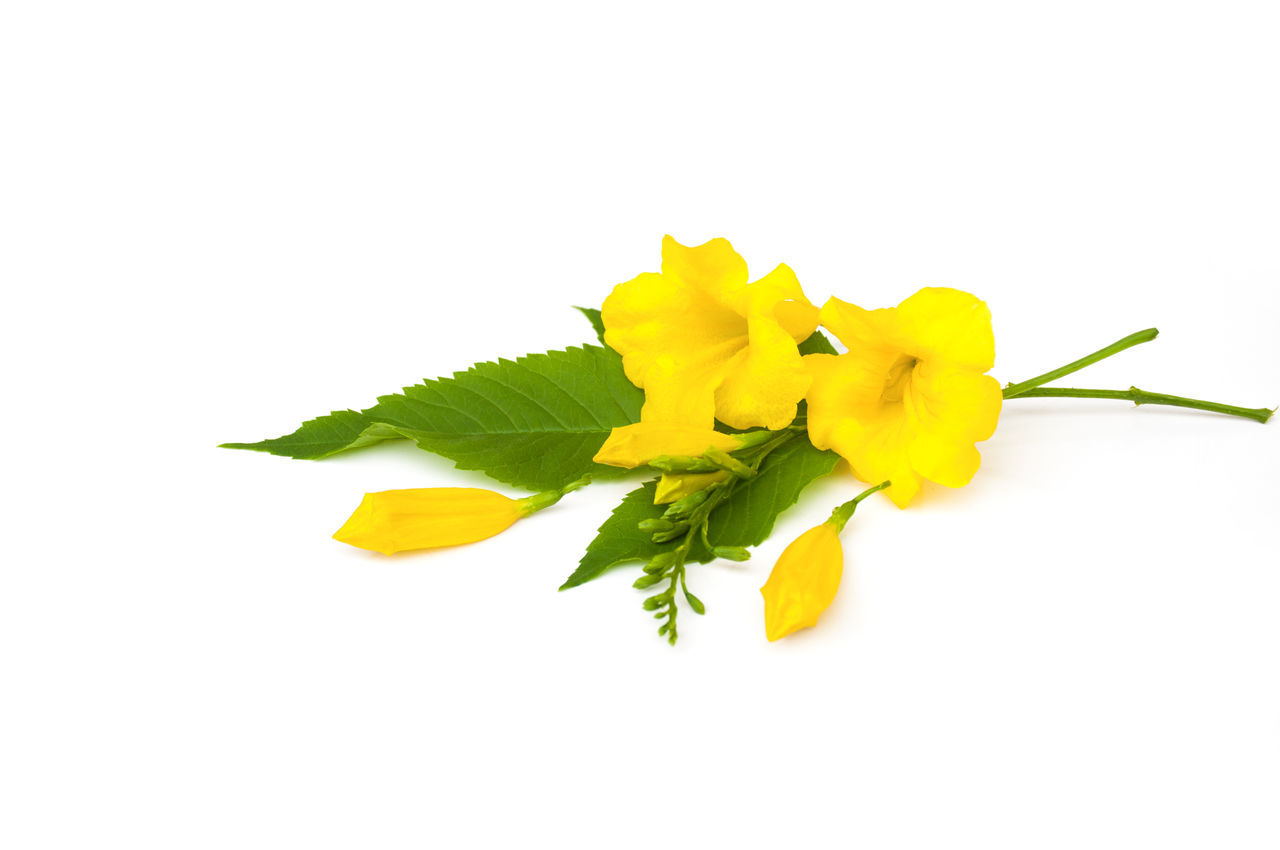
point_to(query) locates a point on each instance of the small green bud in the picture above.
(695, 603)
(659, 562)
(649, 526)
(752, 439)
(731, 553)
(682, 463)
(688, 504)
(678, 531)
(646, 580)
(729, 463)
(653, 602)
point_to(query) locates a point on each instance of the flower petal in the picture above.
(779, 294)
(713, 267)
(857, 328)
(762, 388)
(654, 317)
(948, 325)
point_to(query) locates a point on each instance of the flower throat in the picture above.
(897, 378)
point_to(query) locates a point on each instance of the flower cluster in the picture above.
(906, 402)
(714, 382)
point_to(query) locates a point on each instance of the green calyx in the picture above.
(840, 516)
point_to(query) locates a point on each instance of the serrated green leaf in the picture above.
(816, 343)
(619, 539)
(535, 422)
(747, 516)
(324, 436)
(596, 320)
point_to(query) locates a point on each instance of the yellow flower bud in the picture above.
(398, 520)
(674, 486)
(635, 445)
(803, 582)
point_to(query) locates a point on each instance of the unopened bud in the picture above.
(729, 463)
(649, 526)
(682, 463)
(678, 531)
(687, 505)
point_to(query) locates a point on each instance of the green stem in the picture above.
(1013, 390)
(1137, 396)
(841, 515)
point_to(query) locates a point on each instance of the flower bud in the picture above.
(682, 463)
(649, 526)
(674, 486)
(729, 463)
(678, 530)
(803, 582)
(637, 444)
(399, 520)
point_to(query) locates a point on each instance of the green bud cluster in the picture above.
(682, 463)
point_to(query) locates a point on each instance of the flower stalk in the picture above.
(1139, 397)
(1015, 390)
(688, 520)
(1032, 387)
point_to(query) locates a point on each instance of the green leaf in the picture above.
(619, 540)
(745, 519)
(324, 436)
(747, 516)
(594, 317)
(535, 422)
(815, 343)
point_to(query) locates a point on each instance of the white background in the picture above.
(219, 219)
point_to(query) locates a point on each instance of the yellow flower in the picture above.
(705, 344)
(807, 575)
(910, 399)
(803, 582)
(397, 520)
(674, 486)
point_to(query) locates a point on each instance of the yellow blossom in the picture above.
(807, 575)
(398, 520)
(674, 486)
(705, 344)
(910, 399)
(803, 582)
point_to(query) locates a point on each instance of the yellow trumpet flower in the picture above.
(909, 399)
(399, 520)
(700, 339)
